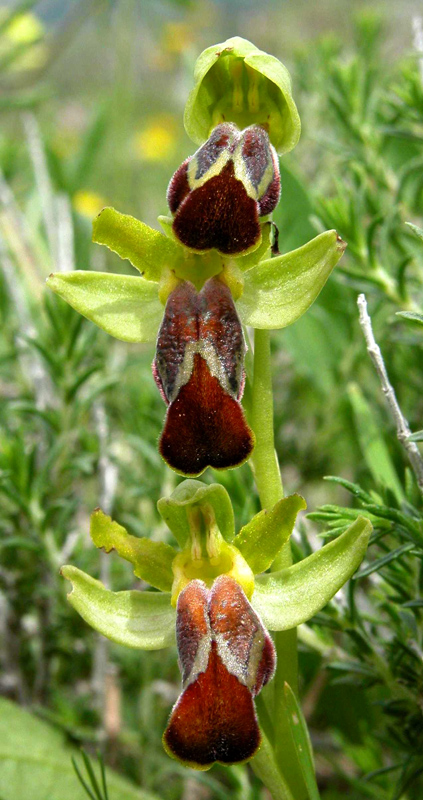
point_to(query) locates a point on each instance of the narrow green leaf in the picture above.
(291, 596)
(173, 509)
(148, 250)
(413, 315)
(145, 620)
(416, 437)
(125, 306)
(416, 230)
(384, 560)
(265, 767)
(261, 539)
(354, 488)
(92, 776)
(103, 777)
(372, 445)
(301, 741)
(82, 780)
(279, 290)
(152, 560)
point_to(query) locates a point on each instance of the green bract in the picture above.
(201, 519)
(237, 82)
(273, 292)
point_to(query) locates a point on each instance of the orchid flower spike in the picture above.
(211, 270)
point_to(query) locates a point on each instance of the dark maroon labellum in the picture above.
(199, 370)
(226, 657)
(218, 195)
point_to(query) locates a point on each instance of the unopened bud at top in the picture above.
(237, 82)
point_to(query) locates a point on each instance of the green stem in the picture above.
(264, 461)
(281, 750)
(266, 768)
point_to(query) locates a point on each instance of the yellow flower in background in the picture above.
(157, 141)
(175, 40)
(21, 43)
(24, 29)
(176, 37)
(88, 203)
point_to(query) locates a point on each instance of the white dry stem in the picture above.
(65, 234)
(403, 429)
(31, 362)
(418, 42)
(42, 179)
(14, 228)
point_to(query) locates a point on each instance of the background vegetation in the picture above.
(91, 105)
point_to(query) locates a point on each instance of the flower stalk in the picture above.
(278, 761)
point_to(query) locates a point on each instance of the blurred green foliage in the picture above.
(102, 88)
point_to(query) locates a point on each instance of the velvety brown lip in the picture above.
(219, 214)
(204, 427)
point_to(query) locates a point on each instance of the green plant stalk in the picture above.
(270, 489)
(264, 461)
(267, 770)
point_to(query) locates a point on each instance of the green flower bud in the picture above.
(237, 82)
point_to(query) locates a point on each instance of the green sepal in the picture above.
(291, 596)
(279, 290)
(125, 306)
(152, 560)
(144, 620)
(237, 82)
(189, 494)
(148, 250)
(261, 539)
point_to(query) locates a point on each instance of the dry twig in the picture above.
(403, 429)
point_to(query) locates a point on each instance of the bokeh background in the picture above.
(91, 102)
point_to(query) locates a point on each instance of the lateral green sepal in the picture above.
(125, 306)
(152, 560)
(237, 82)
(279, 290)
(291, 596)
(145, 620)
(176, 509)
(261, 539)
(148, 250)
